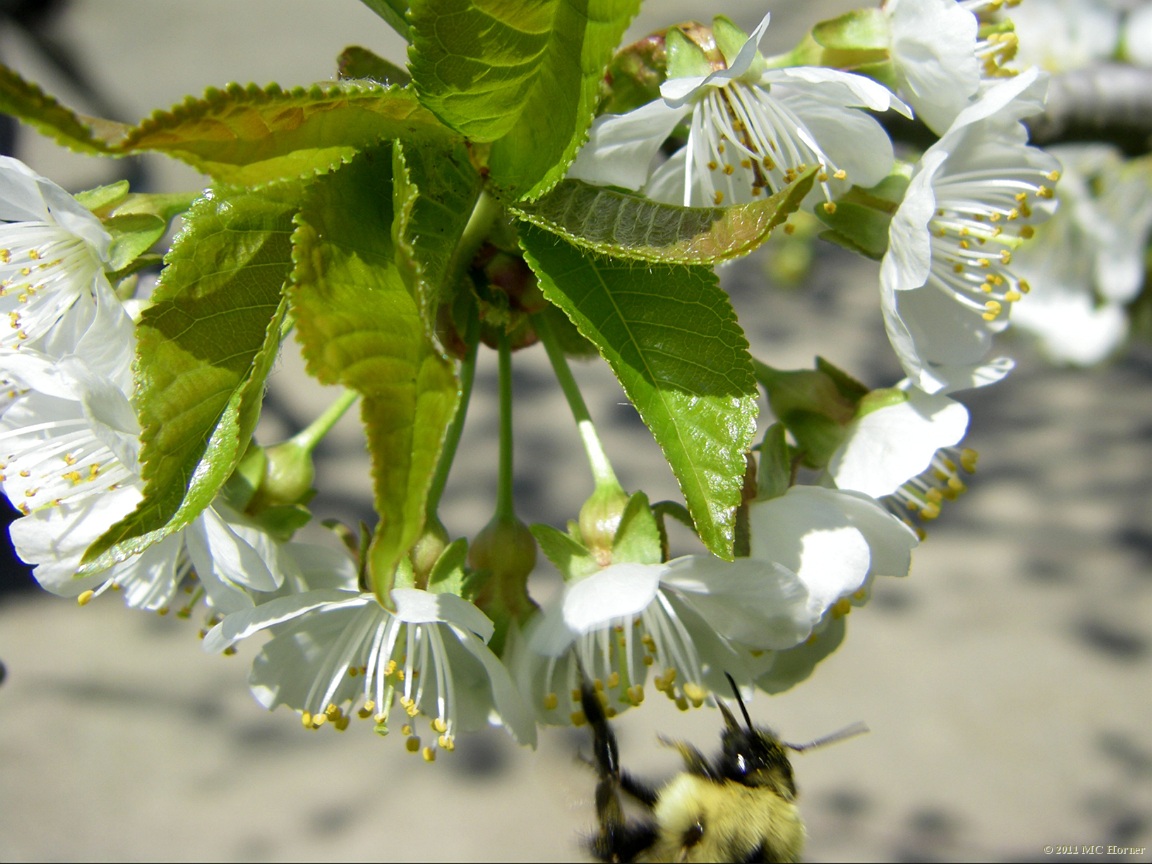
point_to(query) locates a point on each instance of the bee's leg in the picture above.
(638, 789)
(617, 839)
(695, 762)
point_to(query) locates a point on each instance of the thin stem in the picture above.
(504, 506)
(456, 429)
(602, 473)
(310, 436)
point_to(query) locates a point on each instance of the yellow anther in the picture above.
(789, 228)
(718, 198)
(609, 712)
(841, 607)
(406, 729)
(412, 744)
(829, 207)
(613, 680)
(85, 597)
(968, 459)
(438, 725)
(840, 174)
(551, 702)
(576, 694)
(577, 718)
(681, 703)
(306, 720)
(635, 694)
(446, 743)
(1013, 296)
(34, 254)
(695, 693)
(728, 172)
(429, 754)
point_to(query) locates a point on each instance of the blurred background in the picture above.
(1007, 682)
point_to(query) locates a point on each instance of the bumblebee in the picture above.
(739, 806)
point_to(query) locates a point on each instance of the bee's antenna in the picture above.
(857, 728)
(739, 700)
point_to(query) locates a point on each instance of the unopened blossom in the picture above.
(335, 654)
(752, 130)
(946, 281)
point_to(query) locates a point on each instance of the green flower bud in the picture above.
(287, 479)
(427, 549)
(600, 518)
(502, 557)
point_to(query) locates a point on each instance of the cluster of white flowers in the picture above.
(70, 438)
(946, 286)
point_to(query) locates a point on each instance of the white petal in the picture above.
(621, 147)
(617, 591)
(414, 606)
(758, 603)
(887, 447)
(808, 532)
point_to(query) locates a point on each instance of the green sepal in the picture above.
(448, 574)
(357, 62)
(672, 339)
(774, 472)
(860, 30)
(205, 347)
(685, 58)
(361, 327)
(133, 234)
(103, 198)
(848, 386)
(250, 136)
(861, 217)
(810, 404)
(638, 539)
(794, 665)
(628, 225)
(567, 554)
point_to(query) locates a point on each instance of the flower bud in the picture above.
(287, 479)
(502, 557)
(427, 549)
(599, 518)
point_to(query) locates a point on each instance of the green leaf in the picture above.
(671, 337)
(628, 225)
(205, 347)
(525, 74)
(251, 136)
(436, 191)
(26, 101)
(360, 327)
